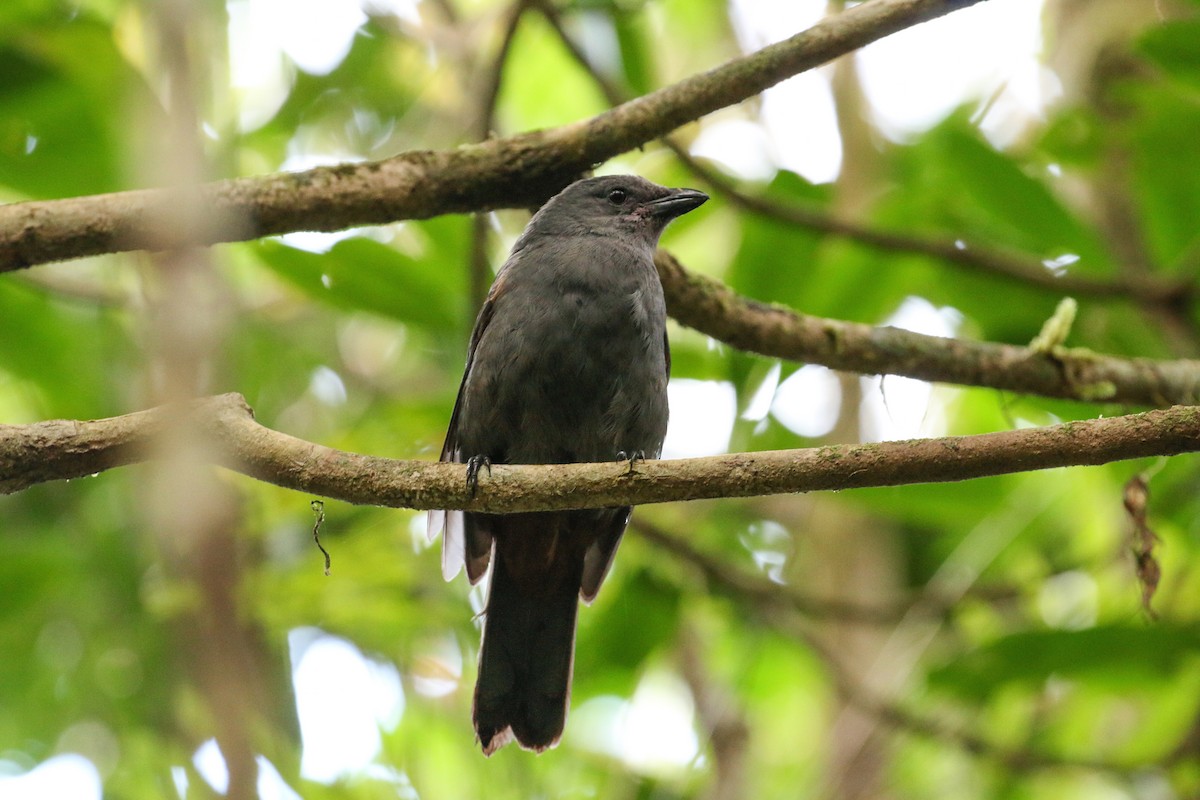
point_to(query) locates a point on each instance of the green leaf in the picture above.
(54, 138)
(354, 108)
(366, 275)
(1112, 656)
(775, 260)
(528, 99)
(636, 62)
(74, 354)
(1175, 46)
(985, 190)
(628, 622)
(1073, 137)
(1163, 165)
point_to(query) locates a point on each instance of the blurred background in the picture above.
(984, 639)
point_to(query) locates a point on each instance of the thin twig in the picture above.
(956, 251)
(747, 586)
(719, 715)
(478, 267)
(318, 508)
(612, 93)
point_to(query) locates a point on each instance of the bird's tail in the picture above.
(524, 684)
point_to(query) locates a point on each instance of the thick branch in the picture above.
(714, 309)
(55, 450)
(520, 171)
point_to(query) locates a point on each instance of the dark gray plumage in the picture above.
(568, 362)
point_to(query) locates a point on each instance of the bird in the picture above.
(568, 362)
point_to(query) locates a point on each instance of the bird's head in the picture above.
(614, 204)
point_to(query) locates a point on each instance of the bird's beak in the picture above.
(677, 203)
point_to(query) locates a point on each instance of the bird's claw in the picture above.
(632, 458)
(474, 463)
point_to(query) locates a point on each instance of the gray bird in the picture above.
(568, 363)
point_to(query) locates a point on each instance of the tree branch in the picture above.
(520, 171)
(56, 450)
(714, 309)
(1009, 264)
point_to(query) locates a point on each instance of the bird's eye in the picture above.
(617, 197)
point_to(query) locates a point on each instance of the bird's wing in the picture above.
(451, 451)
(667, 352)
(451, 523)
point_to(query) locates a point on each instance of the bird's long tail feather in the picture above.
(524, 684)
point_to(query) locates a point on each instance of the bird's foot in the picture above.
(474, 464)
(632, 458)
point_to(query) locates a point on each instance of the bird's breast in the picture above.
(572, 366)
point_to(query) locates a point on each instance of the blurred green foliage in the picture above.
(1026, 630)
